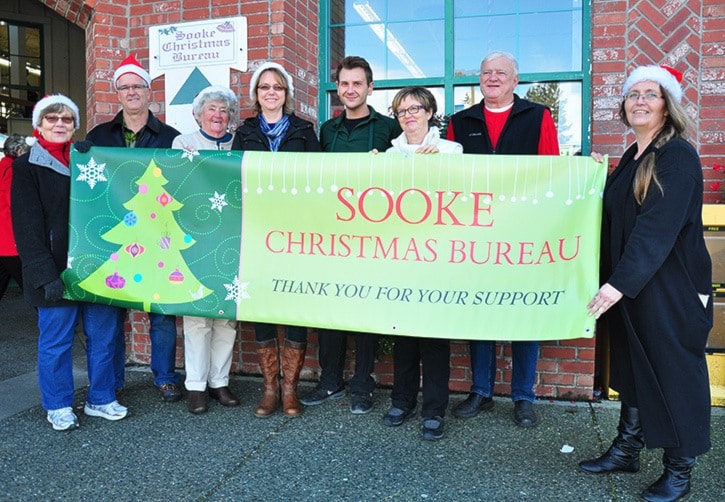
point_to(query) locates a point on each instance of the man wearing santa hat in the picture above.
(135, 126)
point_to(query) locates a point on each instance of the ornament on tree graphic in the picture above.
(165, 241)
(115, 281)
(150, 244)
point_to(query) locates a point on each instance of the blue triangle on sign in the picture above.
(195, 83)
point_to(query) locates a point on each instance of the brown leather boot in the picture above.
(293, 358)
(268, 354)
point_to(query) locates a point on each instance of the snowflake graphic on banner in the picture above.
(237, 291)
(92, 173)
(218, 202)
(189, 153)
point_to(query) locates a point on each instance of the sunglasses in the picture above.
(267, 87)
(52, 119)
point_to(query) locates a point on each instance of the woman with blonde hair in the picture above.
(275, 128)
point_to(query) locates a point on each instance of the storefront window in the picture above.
(523, 28)
(439, 44)
(21, 79)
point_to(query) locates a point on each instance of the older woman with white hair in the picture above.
(215, 109)
(208, 343)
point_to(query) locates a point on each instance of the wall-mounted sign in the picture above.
(200, 43)
(193, 56)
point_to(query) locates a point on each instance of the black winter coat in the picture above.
(520, 134)
(300, 137)
(655, 255)
(40, 199)
(155, 134)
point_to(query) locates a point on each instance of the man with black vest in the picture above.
(504, 124)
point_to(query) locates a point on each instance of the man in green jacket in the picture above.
(359, 128)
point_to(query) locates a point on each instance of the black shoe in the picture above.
(170, 392)
(224, 396)
(433, 428)
(674, 483)
(396, 416)
(361, 403)
(319, 395)
(197, 402)
(623, 454)
(473, 405)
(524, 414)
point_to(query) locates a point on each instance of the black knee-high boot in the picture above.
(674, 482)
(623, 455)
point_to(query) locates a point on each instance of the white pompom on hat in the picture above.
(53, 99)
(270, 66)
(131, 65)
(667, 77)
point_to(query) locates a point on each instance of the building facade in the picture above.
(578, 52)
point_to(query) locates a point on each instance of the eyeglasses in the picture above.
(135, 88)
(648, 96)
(413, 110)
(52, 119)
(267, 87)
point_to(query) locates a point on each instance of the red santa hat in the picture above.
(55, 99)
(131, 65)
(668, 78)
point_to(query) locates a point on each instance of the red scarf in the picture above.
(60, 151)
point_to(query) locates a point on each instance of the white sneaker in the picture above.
(63, 419)
(110, 411)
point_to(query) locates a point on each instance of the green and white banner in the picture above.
(448, 246)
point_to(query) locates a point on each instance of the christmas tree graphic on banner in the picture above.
(148, 263)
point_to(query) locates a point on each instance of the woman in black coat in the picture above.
(658, 281)
(276, 128)
(40, 205)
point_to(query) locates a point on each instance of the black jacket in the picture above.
(520, 135)
(300, 137)
(655, 254)
(40, 200)
(155, 134)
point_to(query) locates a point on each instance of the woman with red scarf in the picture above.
(40, 197)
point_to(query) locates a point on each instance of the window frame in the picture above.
(10, 87)
(449, 80)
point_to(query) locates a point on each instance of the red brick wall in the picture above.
(688, 35)
(283, 31)
(565, 368)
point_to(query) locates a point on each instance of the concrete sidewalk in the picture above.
(162, 452)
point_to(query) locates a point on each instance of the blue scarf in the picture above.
(274, 132)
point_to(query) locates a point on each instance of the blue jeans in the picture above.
(57, 327)
(162, 332)
(483, 366)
